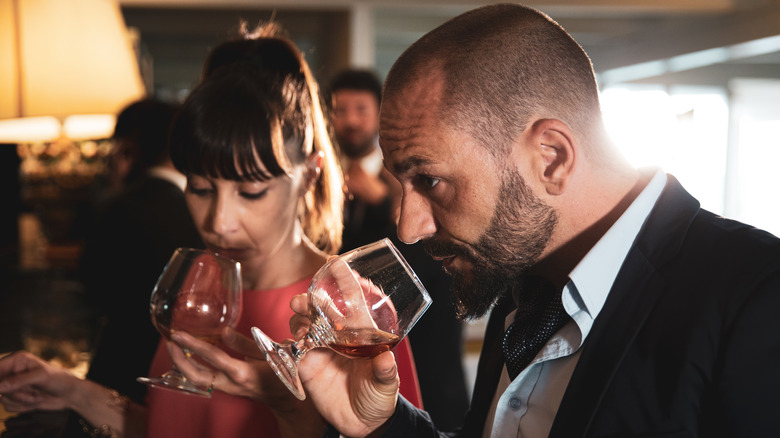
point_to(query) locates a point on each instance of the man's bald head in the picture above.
(504, 65)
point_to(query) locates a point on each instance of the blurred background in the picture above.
(689, 85)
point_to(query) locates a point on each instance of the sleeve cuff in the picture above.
(407, 421)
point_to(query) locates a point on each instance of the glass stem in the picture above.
(301, 346)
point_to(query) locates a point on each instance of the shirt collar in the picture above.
(592, 278)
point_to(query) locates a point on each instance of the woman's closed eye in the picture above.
(199, 191)
(199, 186)
(252, 196)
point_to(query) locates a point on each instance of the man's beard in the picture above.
(518, 232)
(358, 149)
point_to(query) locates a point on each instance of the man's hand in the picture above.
(356, 396)
(365, 187)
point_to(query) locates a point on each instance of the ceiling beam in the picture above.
(577, 7)
(691, 61)
(693, 36)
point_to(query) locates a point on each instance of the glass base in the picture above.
(176, 381)
(282, 361)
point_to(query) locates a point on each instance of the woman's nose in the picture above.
(224, 216)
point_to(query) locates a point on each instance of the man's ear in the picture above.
(553, 150)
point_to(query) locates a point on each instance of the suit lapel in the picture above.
(489, 369)
(630, 301)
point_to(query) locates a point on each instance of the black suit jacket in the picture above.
(130, 243)
(686, 345)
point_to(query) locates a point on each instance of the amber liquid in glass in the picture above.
(363, 343)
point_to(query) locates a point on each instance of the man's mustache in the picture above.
(441, 248)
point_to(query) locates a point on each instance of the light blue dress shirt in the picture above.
(526, 406)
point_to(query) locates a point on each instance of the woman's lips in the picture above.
(231, 253)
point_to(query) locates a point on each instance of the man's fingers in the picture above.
(352, 299)
(299, 323)
(385, 370)
(377, 404)
(300, 304)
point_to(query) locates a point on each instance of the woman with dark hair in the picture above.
(263, 188)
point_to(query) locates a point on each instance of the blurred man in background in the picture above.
(370, 215)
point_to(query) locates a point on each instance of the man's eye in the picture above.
(429, 181)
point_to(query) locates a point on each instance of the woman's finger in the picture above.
(25, 379)
(241, 344)
(209, 353)
(197, 372)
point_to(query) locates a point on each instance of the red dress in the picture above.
(173, 414)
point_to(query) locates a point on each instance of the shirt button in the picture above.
(515, 403)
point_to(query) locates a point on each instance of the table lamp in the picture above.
(66, 68)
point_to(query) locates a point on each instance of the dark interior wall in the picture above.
(10, 199)
(174, 42)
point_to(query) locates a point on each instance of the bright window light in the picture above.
(684, 132)
(759, 152)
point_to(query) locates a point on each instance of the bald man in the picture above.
(618, 307)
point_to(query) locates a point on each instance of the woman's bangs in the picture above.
(238, 154)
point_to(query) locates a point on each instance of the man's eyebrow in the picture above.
(409, 163)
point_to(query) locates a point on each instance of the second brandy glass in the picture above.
(198, 292)
(361, 303)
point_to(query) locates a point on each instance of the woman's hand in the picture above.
(29, 383)
(248, 377)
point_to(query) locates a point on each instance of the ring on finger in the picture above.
(210, 389)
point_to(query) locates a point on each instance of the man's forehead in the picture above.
(344, 95)
(414, 104)
(352, 92)
(428, 86)
(409, 118)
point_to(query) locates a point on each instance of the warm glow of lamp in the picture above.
(86, 126)
(29, 129)
(63, 58)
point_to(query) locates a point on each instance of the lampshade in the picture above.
(62, 58)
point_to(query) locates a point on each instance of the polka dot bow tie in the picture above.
(539, 315)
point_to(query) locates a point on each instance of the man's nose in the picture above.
(416, 221)
(352, 118)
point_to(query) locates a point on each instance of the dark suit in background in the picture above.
(686, 345)
(126, 252)
(437, 338)
(354, 98)
(136, 229)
